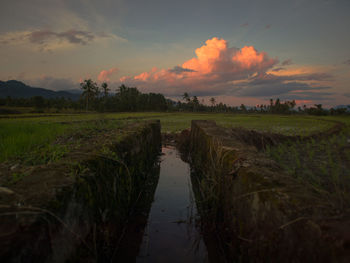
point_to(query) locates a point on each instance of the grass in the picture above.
(34, 139)
(321, 164)
(35, 132)
(17, 138)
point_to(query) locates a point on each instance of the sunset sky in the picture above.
(238, 51)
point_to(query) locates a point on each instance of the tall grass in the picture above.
(323, 165)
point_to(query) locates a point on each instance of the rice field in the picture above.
(22, 134)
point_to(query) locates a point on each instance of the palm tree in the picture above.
(105, 89)
(186, 97)
(90, 90)
(195, 103)
(212, 101)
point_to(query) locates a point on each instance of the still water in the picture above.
(171, 235)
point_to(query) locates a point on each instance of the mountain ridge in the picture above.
(17, 89)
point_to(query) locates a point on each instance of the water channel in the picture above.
(171, 234)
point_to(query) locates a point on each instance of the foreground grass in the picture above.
(20, 136)
(323, 165)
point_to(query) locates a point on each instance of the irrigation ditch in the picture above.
(210, 194)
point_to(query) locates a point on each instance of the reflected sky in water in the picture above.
(170, 235)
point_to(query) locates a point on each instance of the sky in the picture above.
(237, 51)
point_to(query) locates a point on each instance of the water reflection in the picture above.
(171, 235)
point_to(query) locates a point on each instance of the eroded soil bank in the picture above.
(91, 205)
(254, 209)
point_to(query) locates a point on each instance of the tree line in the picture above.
(125, 99)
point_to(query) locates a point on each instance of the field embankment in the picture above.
(81, 206)
(263, 189)
(38, 132)
(255, 208)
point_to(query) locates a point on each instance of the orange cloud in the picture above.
(207, 56)
(230, 72)
(214, 68)
(248, 57)
(105, 74)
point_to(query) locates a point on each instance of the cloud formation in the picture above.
(277, 69)
(220, 70)
(105, 74)
(71, 36)
(52, 83)
(179, 70)
(212, 70)
(287, 62)
(287, 87)
(48, 40)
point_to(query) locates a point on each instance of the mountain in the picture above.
(342, 106)
(74, 91)
(17, 89)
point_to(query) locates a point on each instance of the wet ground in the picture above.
(171, 234)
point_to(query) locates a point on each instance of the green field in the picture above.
(25, 133)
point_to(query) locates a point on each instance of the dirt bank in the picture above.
(67, 209)
(256, 211)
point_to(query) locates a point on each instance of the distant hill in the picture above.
(342, 106)
(17, 89)
(73, 91)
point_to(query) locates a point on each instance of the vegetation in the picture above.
(322, 164)
(90, 91)
(35, 141)
(131, 99)
(33, 138)
(40, 139)
(21, 137)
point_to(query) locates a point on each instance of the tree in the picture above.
(319, 107)
(195, 103)
(90, 91)
(39, 103)
(186, 97)
(128, 98)
(212, 101)
(105, 89)
(243, 108)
